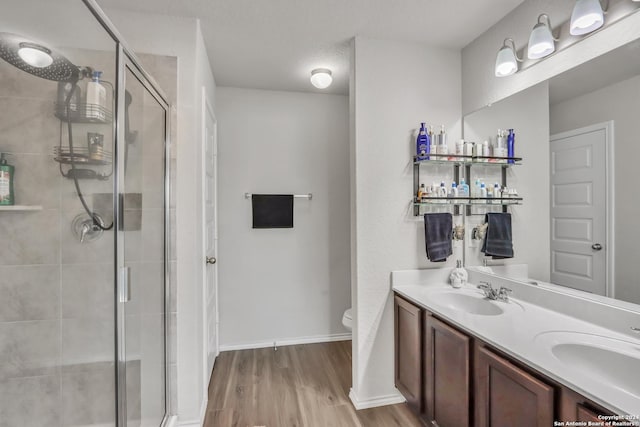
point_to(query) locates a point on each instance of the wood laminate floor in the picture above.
(295, 386)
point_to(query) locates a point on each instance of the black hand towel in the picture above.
(438, 229)
(497, 241)
(272, 210)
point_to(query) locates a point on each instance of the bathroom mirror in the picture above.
(578, 136)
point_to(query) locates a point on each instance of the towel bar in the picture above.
(295, 196)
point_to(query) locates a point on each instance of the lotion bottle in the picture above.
(511, 141)
(422, 143)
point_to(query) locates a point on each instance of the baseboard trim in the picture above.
(391, 399)
(172, 421)
(200, 422)
(288, 341)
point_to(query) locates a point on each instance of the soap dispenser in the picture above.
(459, 275)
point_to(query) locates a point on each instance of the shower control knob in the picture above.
(596, 247)
(211, 260)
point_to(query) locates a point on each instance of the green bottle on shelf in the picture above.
(6, 181)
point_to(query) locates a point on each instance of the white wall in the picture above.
(619, 102)
(527, 113)
(394, 86)
(479, 84)
(181, 37)
(283, 284)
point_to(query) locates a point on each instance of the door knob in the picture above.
(596, 247)
(211, 260)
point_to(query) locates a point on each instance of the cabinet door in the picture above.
(575, 407)
(508, 396)
(408, 347)
(446, 376)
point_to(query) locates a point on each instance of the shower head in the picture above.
(38, 60)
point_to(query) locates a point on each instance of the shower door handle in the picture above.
(125, 287)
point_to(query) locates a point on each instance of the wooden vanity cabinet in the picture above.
(447, 378)
(408, 352)
(507, 395)
(451, 379)
(574, 407)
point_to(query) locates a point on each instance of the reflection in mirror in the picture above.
(580, 229)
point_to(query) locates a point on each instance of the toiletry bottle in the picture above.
(443, 148)
(433, 143)
(468, 150)
(497, 193)
(501, 145)
(480, 151)
(422, 143)
(485, 150)
(476, 188)
(483, 191)
(421, 192)
(442, 192)
(511, 140)
(459, 149)
(454, 190)
(96, 98)
(463, 189)
(7, 172)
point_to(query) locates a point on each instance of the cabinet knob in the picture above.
(211, 260)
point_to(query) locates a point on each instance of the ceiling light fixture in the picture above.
(35, 55)
(587, 16)
(541, 41)
(321, 78)
(507, 59)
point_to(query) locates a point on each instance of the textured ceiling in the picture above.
(274, 44)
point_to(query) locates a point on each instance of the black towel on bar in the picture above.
(438, 232)
(272, 210)
(498, 242)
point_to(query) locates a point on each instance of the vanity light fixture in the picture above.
(541, 41)
(321, 78)
(507, 59)
(587, 16)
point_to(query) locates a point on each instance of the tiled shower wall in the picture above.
(57, 311)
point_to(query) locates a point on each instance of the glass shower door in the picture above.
(141, 152)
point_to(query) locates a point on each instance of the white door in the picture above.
(209, 167)
(579, 208)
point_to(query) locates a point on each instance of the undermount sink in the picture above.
(468, 303)
(614, 361)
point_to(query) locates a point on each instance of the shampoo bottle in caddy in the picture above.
(7, 172)
(423, 144)
(96, 97)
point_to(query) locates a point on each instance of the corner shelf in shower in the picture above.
(20, 208)
(84, 113)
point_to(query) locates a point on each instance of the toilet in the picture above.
(347, 319)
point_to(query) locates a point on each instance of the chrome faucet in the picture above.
(491, 293)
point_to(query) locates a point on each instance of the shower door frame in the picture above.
(125, 58)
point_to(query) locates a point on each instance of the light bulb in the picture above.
(587, 16)
(506, 60)
(321, 78)
(541, 40)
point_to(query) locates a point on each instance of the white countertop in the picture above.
(526, 332)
